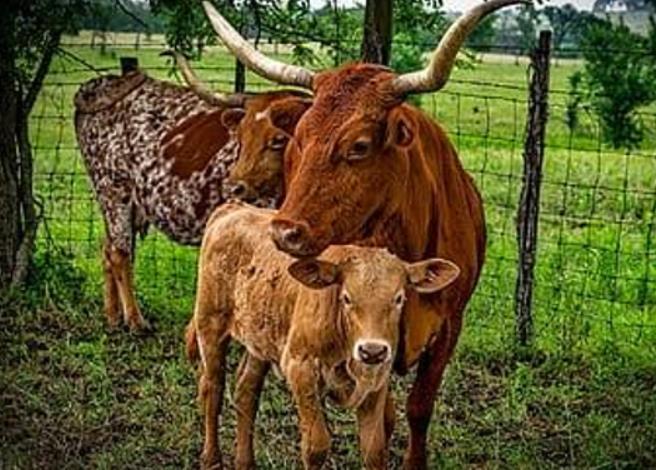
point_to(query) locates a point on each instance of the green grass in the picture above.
(76, 395)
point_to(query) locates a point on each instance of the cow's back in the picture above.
(158, 145)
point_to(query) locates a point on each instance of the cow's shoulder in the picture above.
(103, 92)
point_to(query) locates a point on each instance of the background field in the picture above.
(583, 396)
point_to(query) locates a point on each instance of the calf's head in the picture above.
(371, 287)
(347, 165)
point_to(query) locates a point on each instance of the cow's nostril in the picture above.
(238, 189)
(292, 235)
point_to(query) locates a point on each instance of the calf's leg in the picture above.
(372, 423)
(212, 345)
(250, 379)
(303, 380)
(421, 400)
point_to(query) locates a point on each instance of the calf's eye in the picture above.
(399, 299)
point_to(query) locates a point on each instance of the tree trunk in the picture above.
(377, 37)
(10, 226)
(18, 217)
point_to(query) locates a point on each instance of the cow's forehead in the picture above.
(353, 90)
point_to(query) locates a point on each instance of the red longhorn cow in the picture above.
(363, 166)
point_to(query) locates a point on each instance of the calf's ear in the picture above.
(431, 275)
(315, 273)
(231, 118)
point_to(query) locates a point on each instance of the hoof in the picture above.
(244, 464)
(414, 462)
(138, 324)
(210, 462)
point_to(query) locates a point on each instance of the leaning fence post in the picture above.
(529, 203)
(129, 64)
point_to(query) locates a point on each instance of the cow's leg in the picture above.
(119, 254)
(303, 380)
(390, 416)
(123, 274)
(250, 379)
(213, 345)
(372, 428)
(111, 299)
(421, 400)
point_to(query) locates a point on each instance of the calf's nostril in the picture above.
(372, 353)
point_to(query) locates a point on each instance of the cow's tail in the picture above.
(192, 342)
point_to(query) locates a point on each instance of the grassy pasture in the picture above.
(79, 396)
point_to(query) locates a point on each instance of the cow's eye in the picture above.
(399, 299)
(359, 150)
(346, 299)
(278, 142)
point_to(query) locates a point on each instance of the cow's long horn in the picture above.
(279, 72)
(436, 74)
(192, 80)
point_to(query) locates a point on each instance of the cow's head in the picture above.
(373, 285)
(263, 124)
(347, 166)
(263, 128)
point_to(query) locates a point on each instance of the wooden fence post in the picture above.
(129, 64)
(529, 204)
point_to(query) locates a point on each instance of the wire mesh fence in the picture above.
(596, 263)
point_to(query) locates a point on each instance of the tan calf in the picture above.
(331, 325)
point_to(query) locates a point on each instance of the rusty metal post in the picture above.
(129, 64)
(529, 204)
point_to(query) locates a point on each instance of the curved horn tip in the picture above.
(271, 69)
(436, 74)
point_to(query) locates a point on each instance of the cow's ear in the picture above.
(232, 117)
(400, 131)
(431, 275)
(315, 273)
(286, 113)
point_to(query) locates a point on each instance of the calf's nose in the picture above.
(292, 238)
(373, 352)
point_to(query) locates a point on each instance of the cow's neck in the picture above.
(411, 231)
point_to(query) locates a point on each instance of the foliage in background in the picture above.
(619, 84)
(30, 34)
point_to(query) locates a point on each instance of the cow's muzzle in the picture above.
(372, 352)
(293, 238)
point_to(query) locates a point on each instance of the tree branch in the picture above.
(134, 17)
(52, 43)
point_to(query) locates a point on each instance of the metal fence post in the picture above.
(529, 203)
(129, 64)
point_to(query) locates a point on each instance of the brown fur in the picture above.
(245, 292)
(194, 142)
(408, 193)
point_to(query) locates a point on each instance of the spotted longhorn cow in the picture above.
(158, 154)
(363, 166)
